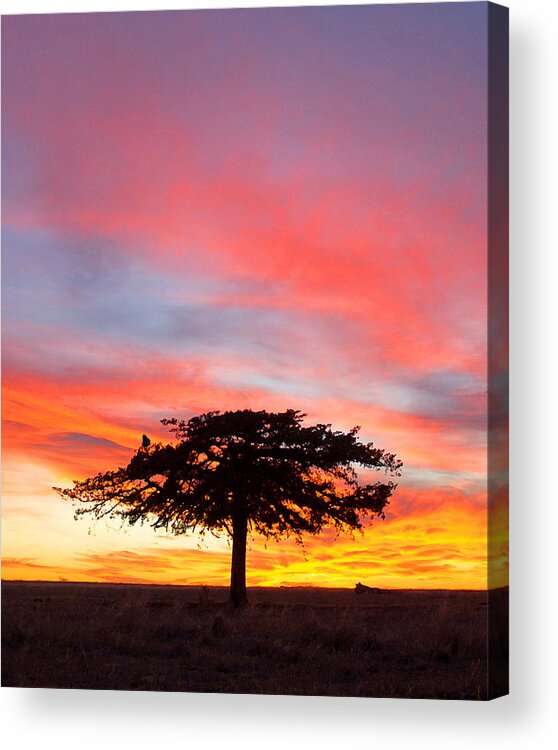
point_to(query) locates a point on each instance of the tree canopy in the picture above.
(244, 471)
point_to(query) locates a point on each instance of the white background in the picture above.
(87, 719)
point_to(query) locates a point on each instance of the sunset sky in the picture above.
(262, 209)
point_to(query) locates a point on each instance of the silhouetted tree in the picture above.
(244, 471)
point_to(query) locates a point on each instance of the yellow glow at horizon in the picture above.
(39, 530)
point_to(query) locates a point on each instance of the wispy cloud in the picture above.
(251, 224)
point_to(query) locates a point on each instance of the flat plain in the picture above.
(293, 641)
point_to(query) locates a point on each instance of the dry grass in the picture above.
(289, 641)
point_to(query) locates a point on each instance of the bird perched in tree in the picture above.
(145, 441)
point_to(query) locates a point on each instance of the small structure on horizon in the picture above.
(360, 588)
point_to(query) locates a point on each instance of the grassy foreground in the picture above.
(296, 641)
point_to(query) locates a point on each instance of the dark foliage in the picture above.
(243, 471)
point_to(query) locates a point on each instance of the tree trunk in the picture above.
(238, 597)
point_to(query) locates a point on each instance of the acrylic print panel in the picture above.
(230, 237)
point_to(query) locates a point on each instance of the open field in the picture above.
(297, 641)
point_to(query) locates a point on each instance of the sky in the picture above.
(264, 209)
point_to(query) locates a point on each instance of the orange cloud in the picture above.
(334, 215)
